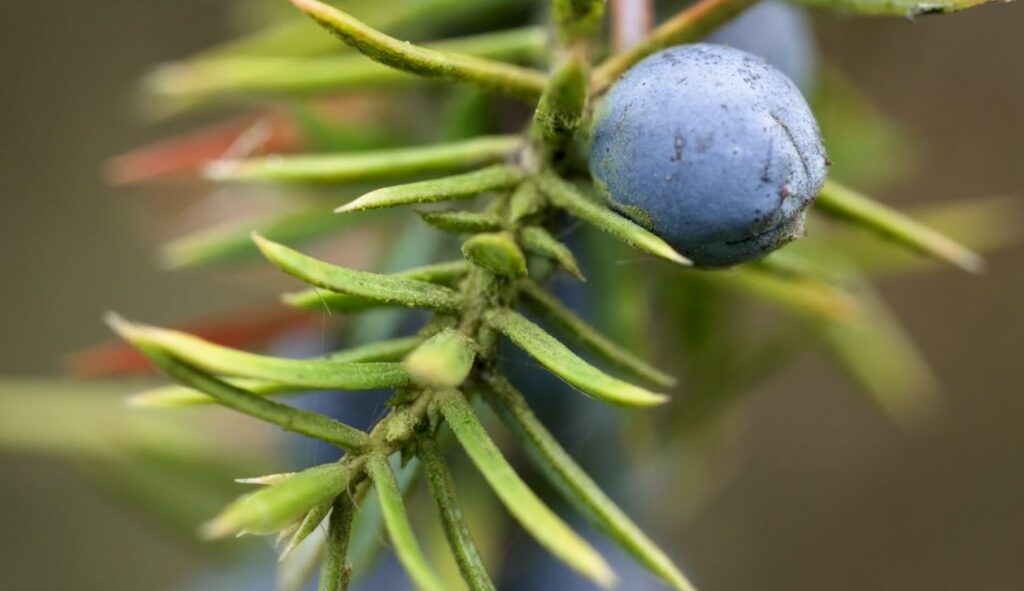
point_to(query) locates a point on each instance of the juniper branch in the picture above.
(477, 301)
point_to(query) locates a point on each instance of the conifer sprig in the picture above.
(528, 180)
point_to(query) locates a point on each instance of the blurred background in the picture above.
(825, 493)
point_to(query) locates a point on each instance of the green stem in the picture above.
(321, 373)
(566, 196)
(461, 186)
(560, 110)
(317, 300)
(369, 165)
(396, 521)
(548, 307)
(690, 24)
(288, 418)
(407, 57)
(291, 76)
(536, 517)
(459, 537)
(577, 487)
(848, 205)
(336, 572)
(389, 289)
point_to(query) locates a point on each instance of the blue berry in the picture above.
(778, 32)
(712, 149)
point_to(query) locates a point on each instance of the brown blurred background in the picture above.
(829, 494)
